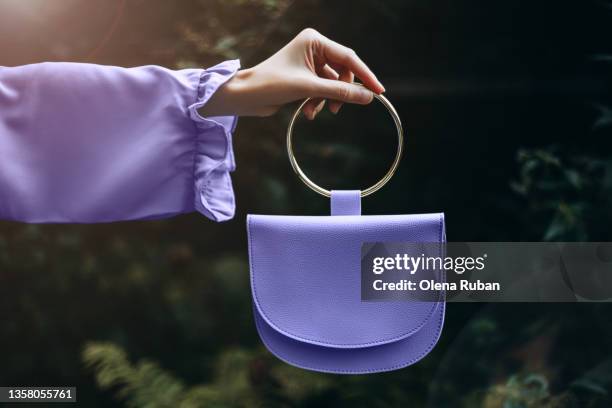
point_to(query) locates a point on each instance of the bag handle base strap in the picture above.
(345, 202)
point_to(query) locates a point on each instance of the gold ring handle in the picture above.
(370, 190)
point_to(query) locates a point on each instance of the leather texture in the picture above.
(346, 202)
(306, 287)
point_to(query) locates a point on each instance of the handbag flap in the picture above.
(306, 277)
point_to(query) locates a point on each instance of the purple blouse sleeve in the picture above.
(87, 143)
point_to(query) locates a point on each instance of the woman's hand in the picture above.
(310, 66)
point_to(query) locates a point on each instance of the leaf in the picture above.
(605, 117)
(574, 178)
(555, 230)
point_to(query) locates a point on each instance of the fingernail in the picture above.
(318, 108)
(335, 109)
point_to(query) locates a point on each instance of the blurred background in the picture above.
(508, 114)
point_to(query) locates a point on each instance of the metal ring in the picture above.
(370, 190)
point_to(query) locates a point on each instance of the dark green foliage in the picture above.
(570, 194)
(158, 314)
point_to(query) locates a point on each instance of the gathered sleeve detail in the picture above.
(87, 143)
(214, 155)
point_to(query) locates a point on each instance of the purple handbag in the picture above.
(306, 284)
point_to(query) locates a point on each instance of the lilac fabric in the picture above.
(306, 286)
(345, 202)
(86, 143)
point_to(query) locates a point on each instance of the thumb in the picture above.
(342, 91)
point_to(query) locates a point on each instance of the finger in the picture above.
(325, 71)
(346, 76)
(347, 58)
(319, 108)
(341, 91)
(312, 107)
(328, 72)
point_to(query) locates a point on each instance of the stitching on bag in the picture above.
(373, 370)
(297, 337)
(377, 370)
(321, 342)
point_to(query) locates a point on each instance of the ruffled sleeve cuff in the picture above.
(214, 155)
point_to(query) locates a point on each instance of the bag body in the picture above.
(305, 276)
